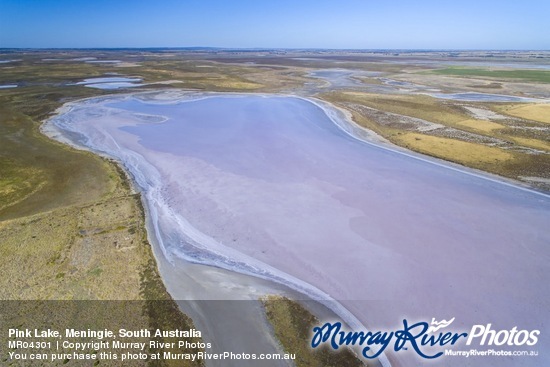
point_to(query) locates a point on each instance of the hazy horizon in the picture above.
(259, 49)
(244, 24)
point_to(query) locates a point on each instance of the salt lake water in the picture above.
(271, 186)
(484, 97)
(110, 83)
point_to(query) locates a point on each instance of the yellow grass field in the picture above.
(535, 112)
(469, 154)
(480, 125)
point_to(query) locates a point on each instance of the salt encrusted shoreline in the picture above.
(230, 297)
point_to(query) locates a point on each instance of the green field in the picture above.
(541, 76)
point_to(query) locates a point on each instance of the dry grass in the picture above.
(533, 143)
(535, 112)
(39, 175)
(419, 106)
(483, 126)
(468, 154)
(18, 182)
(70, 226)
(190, 74)
(293, 324)
(86, 254)
(522, 147)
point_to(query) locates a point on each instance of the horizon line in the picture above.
(278, 49)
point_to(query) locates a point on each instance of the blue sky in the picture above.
(366, 24)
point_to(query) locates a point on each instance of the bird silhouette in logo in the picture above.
(439, 325)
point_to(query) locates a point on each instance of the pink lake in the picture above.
(271, 186)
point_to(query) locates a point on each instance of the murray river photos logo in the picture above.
(427, 340)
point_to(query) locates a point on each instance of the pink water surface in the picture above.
(388, 235)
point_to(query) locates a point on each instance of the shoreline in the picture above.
(353, 324)
(210, 284)
(282, 284)
(341, 117)
(358, 132)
